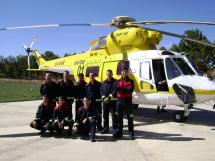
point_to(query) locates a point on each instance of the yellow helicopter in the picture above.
(161, 77)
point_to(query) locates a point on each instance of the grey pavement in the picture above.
(158, 138)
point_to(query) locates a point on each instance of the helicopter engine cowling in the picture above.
(132, 38)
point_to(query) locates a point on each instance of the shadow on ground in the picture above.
(148, 116)
(144, 116)
(108, 137)
(18, 135)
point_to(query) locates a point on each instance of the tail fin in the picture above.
(39, 58)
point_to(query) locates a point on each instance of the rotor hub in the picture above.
(120, 21)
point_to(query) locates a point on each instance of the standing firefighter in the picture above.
(62, 116)
(80, 93)
(86, 120)
(43, 116)
(49, 88)
(108, 92)
(93, 93)
(66, 88)
(125, 88)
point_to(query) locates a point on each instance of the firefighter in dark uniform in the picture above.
(124, 89)
(49, 88)
(80, 93)
(86, 120)
(43, 116)
(108, 93)
(93, 93)
(66, 88)
(62, 116)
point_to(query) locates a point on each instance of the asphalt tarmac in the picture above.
(158, 138)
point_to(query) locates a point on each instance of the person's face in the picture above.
(48, 77)
(109, 74)
(124, 73)
(80, 78)
(66, 75)
(86, 103)
(45, 100)
(61, 101)
(92, 77)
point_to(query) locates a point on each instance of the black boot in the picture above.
(42, 132)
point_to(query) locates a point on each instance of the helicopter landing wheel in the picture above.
(179, 116)
(214, 106)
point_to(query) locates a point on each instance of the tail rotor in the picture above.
(28, 50)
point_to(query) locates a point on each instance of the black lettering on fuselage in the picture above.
(59, 63)
(79, 62)
(121, 34)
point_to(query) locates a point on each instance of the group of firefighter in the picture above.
(92, 101)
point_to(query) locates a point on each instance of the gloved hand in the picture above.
(106, 100)
(84, 121)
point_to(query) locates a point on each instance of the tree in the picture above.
(67, 54)
(49, 55)
(202, 56)
(162, 48)
(10, 66)
(15, 67)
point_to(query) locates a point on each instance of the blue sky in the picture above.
(76, 39)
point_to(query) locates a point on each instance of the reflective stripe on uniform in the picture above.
(111, 96)
(76, 124)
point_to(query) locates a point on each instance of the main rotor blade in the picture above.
(52, 25)
(170, 22)
(181, 36)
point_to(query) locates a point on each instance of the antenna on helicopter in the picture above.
(28, 50)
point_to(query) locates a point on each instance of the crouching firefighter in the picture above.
(62, 116)
(43, 116)
(86, 120)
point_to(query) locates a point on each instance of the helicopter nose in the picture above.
(200, 88)
(212, 87)
(208, 92)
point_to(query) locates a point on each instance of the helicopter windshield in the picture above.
(171, 68)
(176, 67)
(184, 67)
(100, 44)
(195, 68)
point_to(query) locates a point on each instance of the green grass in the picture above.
(19, 91)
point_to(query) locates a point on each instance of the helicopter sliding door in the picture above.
(146, 83)
(159, 75)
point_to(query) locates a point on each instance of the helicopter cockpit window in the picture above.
(101, 44)
(184, 67)
(93, 69)
(171, 68)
